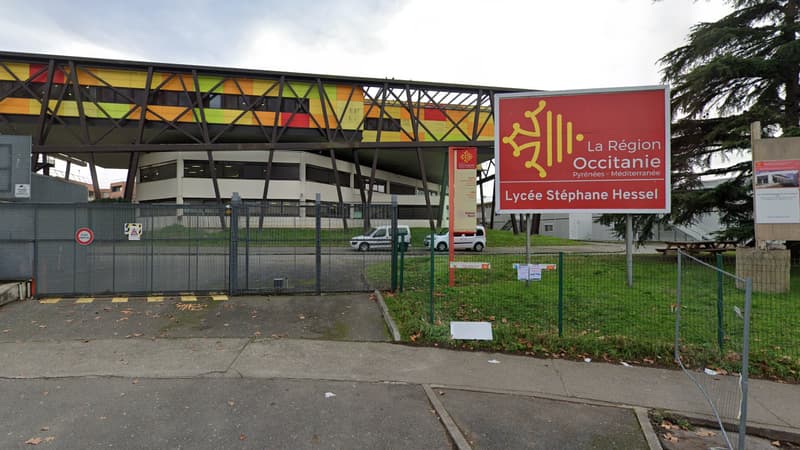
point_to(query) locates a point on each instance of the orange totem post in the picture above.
(463, 162)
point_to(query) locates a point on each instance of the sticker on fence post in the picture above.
(470, 265)
(133, 231)
(532, 272)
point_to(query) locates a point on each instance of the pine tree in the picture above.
(742, 68)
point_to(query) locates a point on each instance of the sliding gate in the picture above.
(118, 248)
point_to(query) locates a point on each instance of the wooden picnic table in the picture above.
(697, 246)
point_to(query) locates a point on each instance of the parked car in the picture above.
(461, 241)
(381, 238)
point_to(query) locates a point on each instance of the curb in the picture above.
(452, 429)
(766, 431)
(647, 428)
(388, 317)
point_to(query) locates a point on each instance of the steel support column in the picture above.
(133, 162)
(73, 75)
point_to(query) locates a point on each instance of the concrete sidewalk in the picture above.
(772, 405)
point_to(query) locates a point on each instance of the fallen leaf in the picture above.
(34, 441)
(6, 330)
(49, 439)
(135, 381)
(44, 429)
(705, 433)
(231, 402)
(42, 326)
(137, 334)
(670, 437)
(776, 443)
(667, 426)
(242, 437)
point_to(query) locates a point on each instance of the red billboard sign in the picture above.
(601, 151)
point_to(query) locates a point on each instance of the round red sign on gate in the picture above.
(84, 236)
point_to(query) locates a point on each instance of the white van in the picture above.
(381, 238)
(461, 241)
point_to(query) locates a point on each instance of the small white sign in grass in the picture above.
(481, 331)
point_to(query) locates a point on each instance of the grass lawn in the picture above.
(601, 317)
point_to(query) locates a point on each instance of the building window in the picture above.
(548, 227)
(242, 170)
(419, 212)
(377, 186)
(388, 124)
(116, 188)
(326, 176)
(402, 189)
(160, 172)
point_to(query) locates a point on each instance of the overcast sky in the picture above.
(536, 44)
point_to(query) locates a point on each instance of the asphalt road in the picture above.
(235, 413)
(352, 317)
(64, 269)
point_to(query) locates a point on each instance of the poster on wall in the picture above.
(777, 191)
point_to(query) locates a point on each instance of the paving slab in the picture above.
(216, 414)
(367, 361)
(673, 390)
(132, 358)
(496, 421)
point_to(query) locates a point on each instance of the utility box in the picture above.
(15, 167)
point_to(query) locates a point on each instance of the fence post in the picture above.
(432, 283)
(745, 372)
(720, 305)
(402, 264)
(678, 308)
(247, 248)
(394, 242)
(318, 243)
(35, 250)
(233, 257)
(560, 294)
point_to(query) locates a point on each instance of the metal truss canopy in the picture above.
(90, 109)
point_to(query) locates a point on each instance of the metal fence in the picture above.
(581, 305)
(712, 314)
(190, 248)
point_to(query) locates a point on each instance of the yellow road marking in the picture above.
(49, 301)
(85, 300)
(155, 299)
(119, 300)
(219, 298)
(188, 298)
